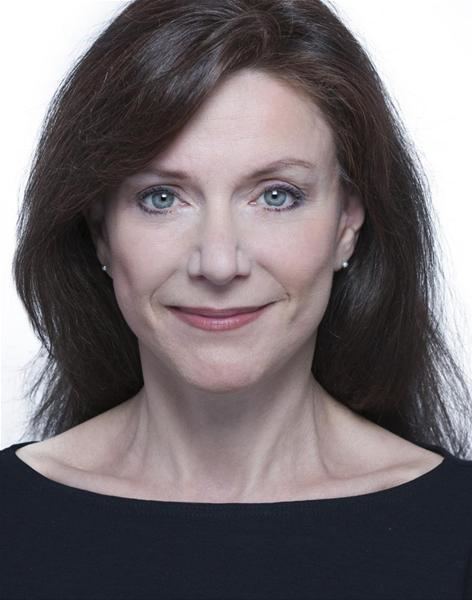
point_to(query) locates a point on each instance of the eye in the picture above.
(278, 194)
(159, 200)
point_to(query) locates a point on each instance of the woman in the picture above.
(226, 250)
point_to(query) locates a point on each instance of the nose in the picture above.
(218, 254)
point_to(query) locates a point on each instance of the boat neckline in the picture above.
(405, 489)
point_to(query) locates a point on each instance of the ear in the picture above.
(350, 222)
(94, 215)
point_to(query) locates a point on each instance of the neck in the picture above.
(230, 449)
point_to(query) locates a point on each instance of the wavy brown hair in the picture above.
(380, 346)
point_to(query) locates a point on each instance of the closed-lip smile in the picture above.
(216, 312)
(218, 320)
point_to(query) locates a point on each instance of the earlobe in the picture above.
(354, 212)
(345, 248)
(94, 217)
(352, 219)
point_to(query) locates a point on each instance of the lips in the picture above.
(220, 323)
(215, 313)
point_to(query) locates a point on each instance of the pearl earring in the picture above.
(345, 264)
(104, 267)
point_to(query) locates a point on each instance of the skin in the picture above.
(235, 415)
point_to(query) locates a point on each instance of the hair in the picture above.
(380, 348)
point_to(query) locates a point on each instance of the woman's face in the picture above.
(214, 238)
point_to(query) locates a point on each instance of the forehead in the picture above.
(250, 118)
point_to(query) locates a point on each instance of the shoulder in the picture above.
(79, 457)
(83, 447)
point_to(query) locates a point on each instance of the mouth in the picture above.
(216, 312)
(220, 320)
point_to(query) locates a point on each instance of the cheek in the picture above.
(304, 256)
(141, 251)
(305, 267)
(141, 263)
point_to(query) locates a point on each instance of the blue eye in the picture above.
(162, 198)
(275, 195)
(159, 196)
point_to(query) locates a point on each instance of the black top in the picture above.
(409, 542)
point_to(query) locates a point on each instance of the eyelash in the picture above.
(298, 194)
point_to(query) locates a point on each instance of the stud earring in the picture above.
(104, 267)
(345, 264)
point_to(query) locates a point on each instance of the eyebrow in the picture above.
(277, 165)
